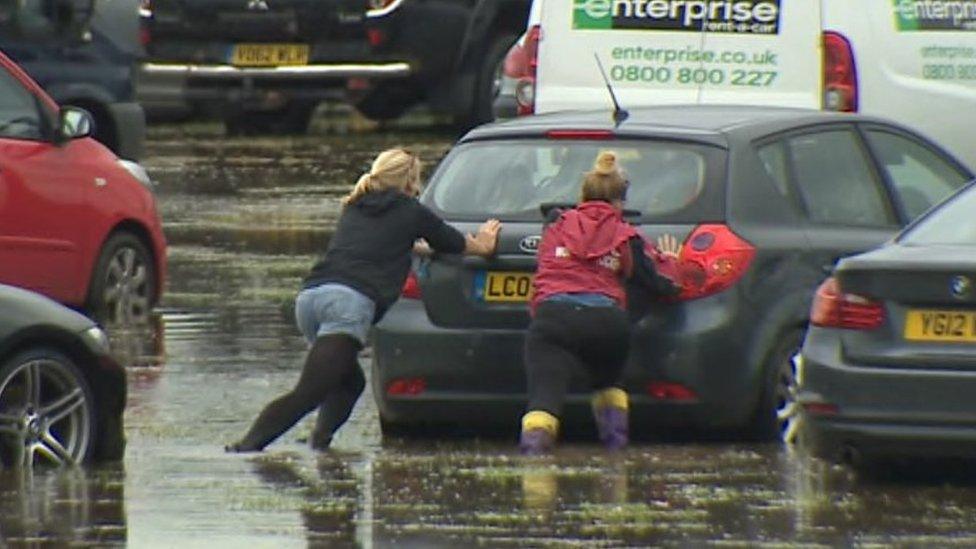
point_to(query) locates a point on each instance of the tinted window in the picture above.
(19, 116)
(952, 223)
(921, 177)
(511, 179)
(835, 180)
(776, 164)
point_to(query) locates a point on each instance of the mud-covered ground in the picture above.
(245, 218)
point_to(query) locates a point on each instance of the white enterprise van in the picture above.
(913, 61)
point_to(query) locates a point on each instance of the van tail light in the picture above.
(840, 74)
(667, 390)
(406, 386)
(713, 258)
(833, 308)
(411, 287)
(520, 65)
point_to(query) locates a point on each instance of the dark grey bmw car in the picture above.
(62, 394)
(765, 200)
(888, 368)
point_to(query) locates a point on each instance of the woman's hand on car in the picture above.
(668, 246)
(485, 241)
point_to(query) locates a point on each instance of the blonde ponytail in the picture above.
(606, 181)
(392, 169)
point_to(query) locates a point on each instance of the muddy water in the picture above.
(245, 218)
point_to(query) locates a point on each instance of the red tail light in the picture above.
(833, 308)
(713, 258)
(840, 74)
(666, 390)
(521, 64)
(411, 287)
(820, 409)
(406, 386)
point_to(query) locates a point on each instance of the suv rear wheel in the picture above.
(488, 83)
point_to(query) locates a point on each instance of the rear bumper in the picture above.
(883, 411)
(478, 376)
(174, 87)
(229, 72)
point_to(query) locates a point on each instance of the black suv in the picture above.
(764, 200)
(84, 55)
(454, 50)
(262, 64)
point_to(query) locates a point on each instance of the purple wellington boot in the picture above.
(612, 426)
(536, 442)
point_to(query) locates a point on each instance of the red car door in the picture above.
(41, 196)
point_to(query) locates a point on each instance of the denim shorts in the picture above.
(333, 309)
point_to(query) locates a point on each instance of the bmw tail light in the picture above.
(411, 287)
(713, 258)
(520, 65)
(840, 74)
(833, 308)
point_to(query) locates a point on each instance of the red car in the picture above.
(76, 223)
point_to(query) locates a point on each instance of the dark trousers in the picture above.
(564, 338)
(330, 380)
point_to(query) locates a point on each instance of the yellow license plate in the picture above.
(507, 287)
(933, 325)
(269, 55)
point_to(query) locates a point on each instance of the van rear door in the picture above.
(916, 63)
(759, 51)
(679, 51)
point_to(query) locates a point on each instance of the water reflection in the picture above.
(63, 507)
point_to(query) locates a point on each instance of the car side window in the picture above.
(921, 177)
(19, 114)
(834, 177)
(776, 164)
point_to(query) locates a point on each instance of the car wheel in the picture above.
(777, 414)
(47, 414)
(123, 285)
(489, 81)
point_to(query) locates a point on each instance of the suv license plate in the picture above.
(932, 325)
(269, 55)
(504, 287)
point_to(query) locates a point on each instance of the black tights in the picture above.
(564, 338)
(330, 379)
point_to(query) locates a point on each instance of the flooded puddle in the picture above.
(245, 219)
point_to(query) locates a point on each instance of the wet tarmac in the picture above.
(245, 219)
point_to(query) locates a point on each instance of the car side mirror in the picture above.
(74, 123)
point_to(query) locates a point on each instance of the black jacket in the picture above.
(371, 249)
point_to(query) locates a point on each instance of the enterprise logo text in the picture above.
(935, 14)
(748, 16)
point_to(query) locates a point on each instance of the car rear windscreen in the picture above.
(952, 223)
(511, 179)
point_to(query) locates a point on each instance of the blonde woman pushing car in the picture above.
(350, 289)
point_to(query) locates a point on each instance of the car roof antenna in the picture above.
(619, 114)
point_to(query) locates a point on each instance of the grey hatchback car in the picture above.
(888, 368)
(765, 200)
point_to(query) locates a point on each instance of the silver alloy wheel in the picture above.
(45, 413)
(126, 293)
(787, 408)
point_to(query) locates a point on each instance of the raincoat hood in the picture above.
(593, 229)
(377, 202)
